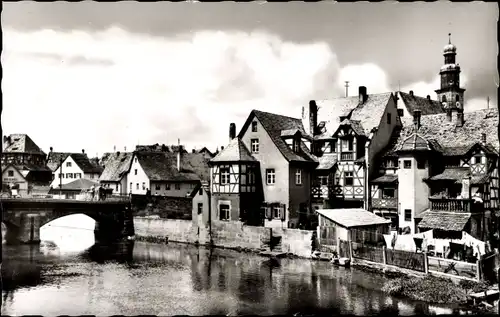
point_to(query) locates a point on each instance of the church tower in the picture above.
(450, 94)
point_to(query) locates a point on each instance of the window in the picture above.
(157, 186)
(135, 172)
(407, 164)
(389, 118)
(270, 176)
(323, 180)
(388, 193)
(333, 146)
(350, 144)
(348, 178)
(421, 164)
(177, 186)
(69, 175)
(116, 187)
(407, 214)
(401, 112)
(143, 186)
(224, 175)
(298, 177)
(296, 146)
(75, 175)
(135, 160)
(68, 164)
(277, 210)
(224, 212)
(130, 187)
(457, 98)
(200, 208)
(477, 159)
(167, 186)
(11, 173)
(255, 145)
(137, 185)
(254, 126)
(443, 99)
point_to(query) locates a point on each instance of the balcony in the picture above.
(385, 203)
(347, 156)
(450, 204)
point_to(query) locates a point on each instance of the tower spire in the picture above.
(449, 38)
(347, 88)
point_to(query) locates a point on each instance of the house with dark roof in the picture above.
(72, 189)
(166, 173)
(407, 103)
(75, 166)
(347, 134)
(23, 163)
(263, 176)
(441, 165)
(116, 168)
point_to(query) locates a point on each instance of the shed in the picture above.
(71, 190)
(356, 225)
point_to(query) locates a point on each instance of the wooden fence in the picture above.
(408, 260)
(415, 261)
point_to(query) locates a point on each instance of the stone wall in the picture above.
(174, 229)
(224, 234)
(234, 234)
(296, 241)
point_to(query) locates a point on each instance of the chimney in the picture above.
(411, 93)
(362, 94)
(194, 151)
(114, 148)
(313, 116)
(222, 148)
(125, 148)
(83, 151)
(448, 114)
(51, 148)
(429, 97)
(416, 119)
(483, 138)
(232, 131)
(460, 118)
(179, 155)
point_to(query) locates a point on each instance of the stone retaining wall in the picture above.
(296, 241)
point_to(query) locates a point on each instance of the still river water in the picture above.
(181, 279)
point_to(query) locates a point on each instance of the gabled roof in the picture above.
(355, 125)
(78, 184)
(350, 218)
(116, 166)
(195, 190)
(455, 174)
(426, 106)
(451, 139)
(54, 159)
(15, 167)
(20, 143)
(85, 164)
(368, 114)
(274, 124)
(414, 142)
(25, 168)
(162, 166)
(236, 151)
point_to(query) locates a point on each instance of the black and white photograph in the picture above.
(260, 158)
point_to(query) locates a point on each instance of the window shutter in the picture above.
(283, 212)
(269, 214)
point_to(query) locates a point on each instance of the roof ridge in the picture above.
(275, 114)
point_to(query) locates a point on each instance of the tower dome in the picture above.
(449, 48)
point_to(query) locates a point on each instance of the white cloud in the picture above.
(369, 75)
(74, 90)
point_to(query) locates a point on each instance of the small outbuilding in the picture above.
(357, 225)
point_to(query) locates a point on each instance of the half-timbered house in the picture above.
(348, 133)
(272, 153)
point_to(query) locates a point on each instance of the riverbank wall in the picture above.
(231, 235)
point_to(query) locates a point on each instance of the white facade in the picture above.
(70, 172)
(138, 181)
(119, 188)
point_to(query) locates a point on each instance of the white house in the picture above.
(75, 166)
(116, 168)
(166, 173)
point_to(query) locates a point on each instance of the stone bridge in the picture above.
(23, 217)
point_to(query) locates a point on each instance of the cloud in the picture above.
(74, 90)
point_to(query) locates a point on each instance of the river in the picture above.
(171, 279)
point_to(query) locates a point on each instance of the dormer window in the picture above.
(296, 144)
(254, 126)
(443, 99)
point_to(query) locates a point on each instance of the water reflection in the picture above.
(144, 278)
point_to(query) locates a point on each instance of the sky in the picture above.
(100, 76)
